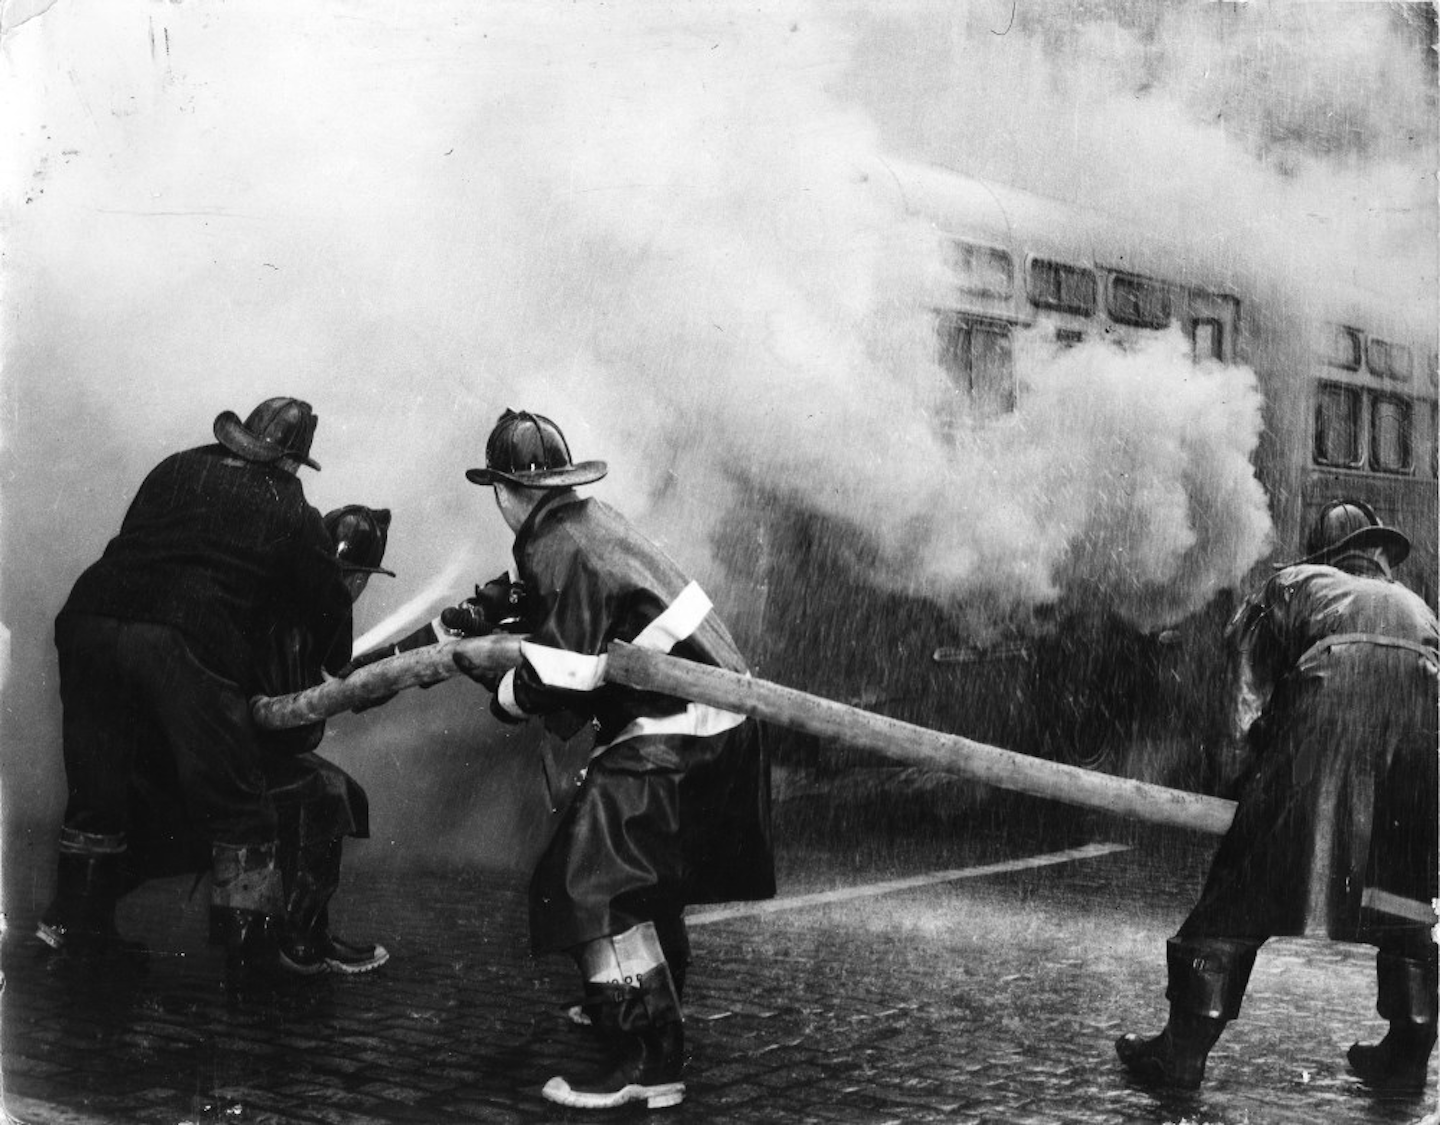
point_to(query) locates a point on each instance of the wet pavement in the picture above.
(985, 996)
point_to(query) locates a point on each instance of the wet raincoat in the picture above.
(1337, 690)
(674, 806)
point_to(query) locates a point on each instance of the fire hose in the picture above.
(647, 670)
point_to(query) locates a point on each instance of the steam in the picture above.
(664, 228)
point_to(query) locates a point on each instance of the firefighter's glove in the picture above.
(504, 604)
(485, 677)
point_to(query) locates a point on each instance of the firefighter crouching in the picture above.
(317, 803)
(673, 807)
(161, 645)
(1338, 810)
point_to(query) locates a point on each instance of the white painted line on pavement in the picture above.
(870, 890)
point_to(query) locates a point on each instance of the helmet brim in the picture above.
(347, 568)
(232, 434)
(586, 472)
(1394, 545)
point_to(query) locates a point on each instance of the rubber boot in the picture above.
(307, 947)
(246, 899)
(80, 920)
(674, 944)
(643, 1025)
(1207, 982)
(1406, 989)
(249, 938)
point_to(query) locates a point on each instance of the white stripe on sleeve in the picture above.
(505, 696)
(573, 671)
(680, 618)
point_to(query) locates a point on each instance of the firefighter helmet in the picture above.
(360, 534)
(1351, 525)
(278, 427)
(529, 450)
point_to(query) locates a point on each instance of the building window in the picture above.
(1337, 426)
(1054, 285)
(1341, 347)
(1138, 301)
(1390, 434)
(986, 271)
(1207, 339)
(978, 358)
(1390, 361)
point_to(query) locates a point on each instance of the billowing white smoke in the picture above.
(1300, 138)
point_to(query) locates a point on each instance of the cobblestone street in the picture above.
(989, 996)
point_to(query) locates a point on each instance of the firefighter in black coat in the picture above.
(673, 807)
(1335, 829)
(161, 645)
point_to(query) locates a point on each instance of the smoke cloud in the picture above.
(663, 227)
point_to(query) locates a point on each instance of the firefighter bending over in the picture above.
(1335, 830)
(161, 644)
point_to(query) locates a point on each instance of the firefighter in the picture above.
(1335, 828)
(673, 807)
(160, 647)
(317, 803)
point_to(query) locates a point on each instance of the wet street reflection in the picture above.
(890, 994)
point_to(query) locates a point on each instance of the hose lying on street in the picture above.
(848, 726)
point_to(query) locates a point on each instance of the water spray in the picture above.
(420, 604)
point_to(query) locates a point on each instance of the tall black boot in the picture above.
(1207, 982)
(246, 899)
(250, 947)
(307, 946)
(80, 920)
(644, 1026)
(1406, 990)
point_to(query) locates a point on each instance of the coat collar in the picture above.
(551, 500)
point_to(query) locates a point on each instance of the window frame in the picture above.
(1407, 404)
(1357, 339)
(1390, 349)
(1058, 304)
(955, 247)
(1142, 283)
(1357, 394)
(952, 322)
(1218, 355)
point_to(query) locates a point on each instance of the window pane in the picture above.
(1340, 347)
(992, 371)
(1207, 340)
(1390, 361)
(955, 351)
(980, 363)
(984, 270)
(1389, 434)
(1134, 300)
(1337, 425)
(1054, 285)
